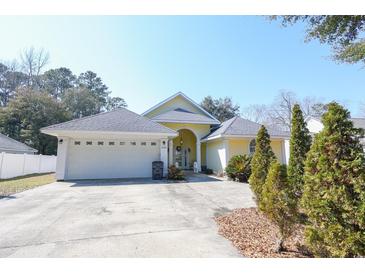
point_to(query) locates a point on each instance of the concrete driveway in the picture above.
(133, 218)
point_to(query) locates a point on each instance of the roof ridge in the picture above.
(233, 119)
(83, 118)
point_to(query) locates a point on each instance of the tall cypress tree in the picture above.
(261, 161)
(300, 141)
(334, 188)
(277, 203)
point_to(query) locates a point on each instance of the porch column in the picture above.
(164, 155)
(171, 153)
(61, 163)
(286, 151)
(198, 155)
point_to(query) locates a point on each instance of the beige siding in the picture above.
(241, 146)
(238, 147)
(277, 147)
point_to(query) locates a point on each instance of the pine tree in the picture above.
(300, 141)
(277, 201)
(261, 161)
(334, 188)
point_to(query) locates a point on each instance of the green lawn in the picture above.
(18, 184)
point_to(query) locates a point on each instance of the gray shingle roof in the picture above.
(243, 127)
(7, 143)
(182, 115)
(119, 120)
(358, 122)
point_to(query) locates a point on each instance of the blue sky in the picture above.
(145, 59)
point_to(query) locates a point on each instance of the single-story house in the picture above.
(10, 145)
(314, 125)
(176, 131)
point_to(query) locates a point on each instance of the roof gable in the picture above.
(238, 126)
(119, 120)
(180, 115)
(178, 101)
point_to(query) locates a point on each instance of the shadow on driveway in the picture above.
(190, 178)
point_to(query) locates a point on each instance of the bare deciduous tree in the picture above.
(32, 62)
(256, 113)
(279, 113)
(281, 110)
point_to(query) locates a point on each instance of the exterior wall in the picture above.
(216, 156)
(241, 146)
(177, 102)
(278, 148)
(219, 152)
(238, 147)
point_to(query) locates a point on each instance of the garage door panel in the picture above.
(97, 161)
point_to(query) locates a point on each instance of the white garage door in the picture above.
(99, 159)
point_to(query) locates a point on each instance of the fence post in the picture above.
(1, 164)
(39, 162)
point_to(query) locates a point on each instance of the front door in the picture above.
(186, 158)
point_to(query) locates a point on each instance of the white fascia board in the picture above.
(183, 122)
(241, 137)
(187, 98)
(211, 138)
(272, 137)
(110, 134)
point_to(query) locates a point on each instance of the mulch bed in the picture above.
(256, 237)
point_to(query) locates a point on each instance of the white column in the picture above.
(61, 164)
(198, 155)
(171, 152)
(164, 155)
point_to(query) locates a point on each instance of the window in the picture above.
(89, 143)
(133, 143)
(100, 143)
(122, 143)
(111, 143)
(252, 146)
(77, 143)
(143, 143)
(153, 144)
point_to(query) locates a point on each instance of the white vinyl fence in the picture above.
(13, 165)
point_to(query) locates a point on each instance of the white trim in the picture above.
(242, 136)
(19, 150)
(185, 97)
(183, 122)
(116, 133)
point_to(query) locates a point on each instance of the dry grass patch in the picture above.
(18, 184)
(256, 237)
